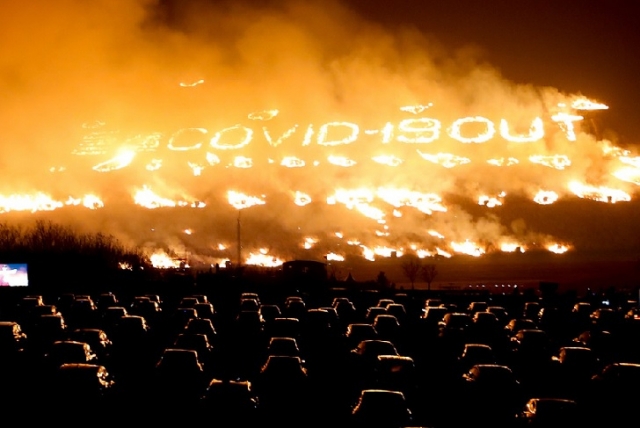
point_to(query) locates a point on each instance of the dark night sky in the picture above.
(589, 46)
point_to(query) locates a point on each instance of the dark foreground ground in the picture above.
(240, 378)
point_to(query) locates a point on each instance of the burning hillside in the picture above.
(281, 134)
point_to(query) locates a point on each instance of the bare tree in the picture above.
(411, 268)
(429, 273)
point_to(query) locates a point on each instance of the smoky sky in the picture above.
(80, 81)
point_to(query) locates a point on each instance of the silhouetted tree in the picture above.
(411, 268)
(429, 273)
(382, 280)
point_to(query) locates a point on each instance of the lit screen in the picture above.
(14, 275)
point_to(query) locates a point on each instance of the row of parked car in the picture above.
(354, 359)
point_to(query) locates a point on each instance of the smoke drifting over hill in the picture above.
(391, 142)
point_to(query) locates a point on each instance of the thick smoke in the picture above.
(83, 80)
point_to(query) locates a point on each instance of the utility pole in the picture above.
(239, 243)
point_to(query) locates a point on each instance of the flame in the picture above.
(435, 234)
(264, 260)
(242, 162)
(121, 160)
(43, 202)
(240, 200)
(630, 175)
(333, 257)
(389, 160)
(446, 160)
(193, 84)
(352, 129)
(88, 201)
(196, 168)
(455, 131)
(512, 247)
(443, 253)
(555, 161)
(565, 121)
(491, 201)
(382, 251)
(558, 248)
(467, 247)
(222, 247)
(503, 161)
(162, 260)
(154, 165)
(586, 104)
(600, 194)
(301, 199)
(292, 162)
(423, 202)
(263, 114)
(536, 132)
(341, 161)
(416, 109)
(148, 199)
(633, 161)
(545, 197)
(309, 243)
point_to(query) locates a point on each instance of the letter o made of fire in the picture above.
(454, 130)
(248, 135)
